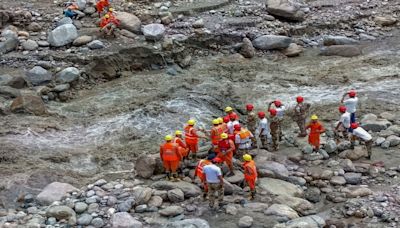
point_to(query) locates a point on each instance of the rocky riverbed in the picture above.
(82, 116)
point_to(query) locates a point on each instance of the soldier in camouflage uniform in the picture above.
(252, 122)
(300, 113)
(274, 126)
(280, 113)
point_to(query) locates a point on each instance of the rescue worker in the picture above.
(200, 172)
(224, 124)
(351, 105)
(70, 13)
(280, 112)
(215, 133)
(182, 148)
(362, 135)
(250, 174)
(236, 130)
(316, 128)
(192, 138)
(252, 122)
(226, 148)
(343, 125)
(243, 141)
(170, 157)
(111, 12)
(275, 129)
(300, 115)
(215, 183)
(101, 5)
(232, 122)
(229, 111)
(108, 25)
(263, 130)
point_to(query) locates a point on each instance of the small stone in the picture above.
(85, 219)
(97, 222)
(30, 45)
(96, 44)
(338, 180)
(353, 178)
(80, 207)
(141, 208)
(245, 221)
(231, 209)
(171, 211)
(198, 24)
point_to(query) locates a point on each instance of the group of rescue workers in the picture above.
(229, 139)
(108, 21)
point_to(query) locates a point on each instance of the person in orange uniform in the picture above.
(250, 174)
(111, 13)
(192, 138)
(226, 148)
(183, 150)
(316, 129)
(101, 5)
(229, 111)
(199, 172)
(215, 133)
(108, 24)
(170, 157)
(224, 124)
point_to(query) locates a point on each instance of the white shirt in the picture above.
(351, 104)
(263, 124)
(362, 134)
(243, 143)
(231, 125)
(212, 173)
(345, 120)
(280, 111)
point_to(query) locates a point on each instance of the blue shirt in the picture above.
(212, 173)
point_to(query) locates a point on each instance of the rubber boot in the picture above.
(252, 194)
(175, 177)
(168, 177)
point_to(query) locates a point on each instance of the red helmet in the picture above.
(233, 116)
(217, 160)
(249, 107)
(352, 93)
(237, 127)
(354, 125)
(261, 114)
(342, 109)
(226, 119)
(272, 112)
(299, 99)
(278, 103)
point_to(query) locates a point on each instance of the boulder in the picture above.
(68, 75)
(229, 188)
(80, 207)
(81, 4)
(96, 44)
(393, 140)
(34, 27)
(17, 82)
(153, 32)
(145, 166)
(171, 211)
(311, 221)
(395, 129)
(29, 104)
(54, 192)
(235, 179)
(354, 192)
(270, 42)
(84, 219)
(330, 146)
(385, 20)
(89, 10)
(281, 210)
(38, 76)
(379, 141)
(82, 40)
(293, 50)
(64, 21)
(29, 45)
(312, 194)
(352, 178)
(347, 165)
(62, 35)
(338, 180)
(245, 221)
(9, 92)
(277, 169)
(355, 154)
(298, 204)
(129, 21)
(62, 212)
(339, 40)
(344, 145)
(176, 195)
(285, 8)
(124, 220)
(155, 201)
(142, 194)
(247, 49)
(186, 223)
(190, 190)
(341, 50)
(9, 45)
(279, 187)
(370, 122)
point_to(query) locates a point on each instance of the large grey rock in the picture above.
(176, 195)
(393, 140)
(279, 187)
(338, 180)
(352, 178)
(82, 40)
(341, 50)
(64, 21)
(68, 75)
(153, 32)
(269, 42)
(9, 45)
(371, 122)
(84, 219)
(80, 207)
(312, 221)
(62, 212)
(145, 166)
(9, 92)
(171, 211)
(38, 76)
(245, 221)
(385, 20)
(281, 210)
(235, 179)
(356, 191)
(188, 223)
(247, 49)
(54, 192)
(298, 204)
(29, 45)
(339, 40)
(29, 104)
(286, 9)
(155, 201)
(355, 154)
(142, 194)
(330, 146)
(129, 21)
(313, 194)
(62, 35)
(190, 190)
(17, 82)
(124, 220)
(277, 169)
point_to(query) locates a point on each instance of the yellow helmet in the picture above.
(107, 16)
(215, 121)
(191, 122)
(168, 138)
(247, 157)
(220, 120)
(110, 9)
(228, 109)
(224, 136)
(178, 132)
(314, 117)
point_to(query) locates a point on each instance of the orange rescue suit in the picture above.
(183, 150)
(199, 172)
(191, 138)
(215, 135)
(100, 5)
(226, 149)
(250, 174)
(170, 156)
(315, 130)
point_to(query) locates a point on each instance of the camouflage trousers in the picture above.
(254, 139)
(275, 140)
(212, 189)
(264, 141)
(302, 127)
